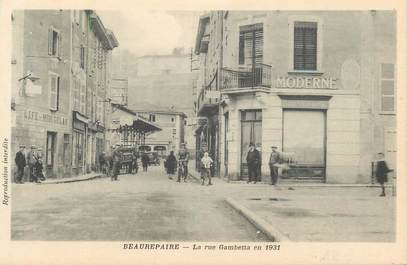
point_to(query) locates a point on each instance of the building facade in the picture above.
(172, 134)
(61, 111)
(289, 79)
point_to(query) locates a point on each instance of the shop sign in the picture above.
(51, 118)
(306, 82)
(212, 94)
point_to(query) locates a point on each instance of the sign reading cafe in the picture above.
(306, 82)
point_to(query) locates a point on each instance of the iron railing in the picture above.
(257, 76)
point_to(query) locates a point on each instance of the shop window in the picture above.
(305, 45)
(251, 44)
(251, 115)
(54, 41)
(54, 83)
(387, 88)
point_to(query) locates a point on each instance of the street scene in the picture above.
(236, 126)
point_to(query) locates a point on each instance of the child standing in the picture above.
(206, 164)
(381, 171)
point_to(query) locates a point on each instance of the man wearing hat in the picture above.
(31, 160)
(273, 161)
(253, 161)
(183, 159)
(20, 162)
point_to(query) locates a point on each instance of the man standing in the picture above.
(253, 160)
(273, 161)
(20, 162)
(144, 161)
(116, 162)
(183, 159)
(31, 160)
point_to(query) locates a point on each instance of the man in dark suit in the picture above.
(253, 161)
(21, 163)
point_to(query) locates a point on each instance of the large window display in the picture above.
(304, 133)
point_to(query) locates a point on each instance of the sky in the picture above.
(145, 32)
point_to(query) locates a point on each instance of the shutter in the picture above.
(50, 41)
(241, 48)
(58, 83)
(59, 45)
(387, 87)
(258, 46)
(53, 93)
(305, 46)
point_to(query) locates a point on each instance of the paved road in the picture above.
(141, 207)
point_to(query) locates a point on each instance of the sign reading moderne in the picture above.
(306, 82)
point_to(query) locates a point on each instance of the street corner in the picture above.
(353, 214)
(271, 231)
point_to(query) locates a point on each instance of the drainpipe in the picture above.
(219, 77)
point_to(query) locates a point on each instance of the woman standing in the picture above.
(171, 164)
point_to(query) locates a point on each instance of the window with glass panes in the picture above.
(305, 45)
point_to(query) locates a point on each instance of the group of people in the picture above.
(31, 161)
(171, 164)
(181, 162)
(111, 164)
(253, 160)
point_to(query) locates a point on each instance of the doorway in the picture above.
(251, 127)
(50, 153)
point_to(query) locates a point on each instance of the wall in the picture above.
(354, 124)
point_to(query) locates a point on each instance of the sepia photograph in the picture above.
(203, 129)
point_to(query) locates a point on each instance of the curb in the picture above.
(271, 232)
(71, 180)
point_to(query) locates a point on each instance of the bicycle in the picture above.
(182, 170)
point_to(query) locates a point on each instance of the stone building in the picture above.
(319, 85)
(57, 95)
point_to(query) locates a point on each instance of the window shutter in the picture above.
(58, 84)
(53, 93)
(387, 88)
(305, 46)
(258, 45)
(50, 36)
(241, 48)
(59, 45)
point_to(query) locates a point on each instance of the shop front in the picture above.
(317, 135)
(79, 128)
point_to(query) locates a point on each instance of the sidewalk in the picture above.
(313, 212)
(85, 177)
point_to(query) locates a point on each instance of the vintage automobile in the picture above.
(128, 159)
(153, 158)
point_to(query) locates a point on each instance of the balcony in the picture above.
(255, 78)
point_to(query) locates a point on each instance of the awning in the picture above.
(144, 126)
(81, 117)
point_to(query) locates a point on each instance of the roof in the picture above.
(106, 36)
(140, 124)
